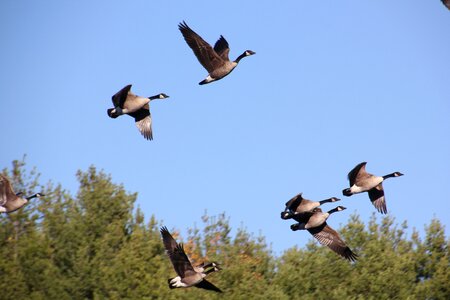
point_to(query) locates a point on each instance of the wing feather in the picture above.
(205, 284)
(143, 120)
(222, 48)
(178, 257)
(376, 195)
(118, 99)
(205, 54)
(6, 190)
(357, 172)
(329, 237)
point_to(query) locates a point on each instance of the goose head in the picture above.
(249, 52)
(340, 208)
(163, 96)
(159, 96)
(285, 215)
(347, 192)
(37, 195)
(114, 112)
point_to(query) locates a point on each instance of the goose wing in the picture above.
(143, 121)
(294, 202)
(205, 284)
(6, 190)
(205, 54)
(118, 99)
(357, 172)
(329, 237)
(446, 3)
(169, 242)
(376, 195)
(222, 49)
(178, 257)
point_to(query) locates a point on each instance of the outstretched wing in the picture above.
(221, 47)
(376, 195)
(143, 120)
(178, 257)
(119, 98)
(6, 190)
(205, 284)
(446, 3)
(169, 242)
(358, 171)
(329, 237)
(294, 202)
(205, 54)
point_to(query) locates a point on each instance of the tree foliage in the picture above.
(96, 245)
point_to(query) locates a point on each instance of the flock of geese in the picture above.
(307, 213)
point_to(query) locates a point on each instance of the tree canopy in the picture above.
(97, 245)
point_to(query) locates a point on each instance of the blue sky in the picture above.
(332, 84)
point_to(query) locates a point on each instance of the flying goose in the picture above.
(316, 223)
(298, 204)
(361, 181)
(10, 201)
(446, 3)
(214, 60)
(125, 102)
(187, 274)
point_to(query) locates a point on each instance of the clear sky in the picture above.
(332, 84)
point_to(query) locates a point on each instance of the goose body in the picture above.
(126, 102)
(187, 274)
(315, 222)
(361, 181)
(298, 204)
(10, 201)
(214, 60)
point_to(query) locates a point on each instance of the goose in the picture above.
(125, 102)
(214, 60)
(10, 201)
(316, 223)
(361, 181)
(298, 204)
(446, 3)
(187, 274)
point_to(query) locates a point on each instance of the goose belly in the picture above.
(135, 104)
(366, 185)
(222, 71)
(316, 220)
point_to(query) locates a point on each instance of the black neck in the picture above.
(326, 201)
(333, 210)
(32, 196)
(212, 269)
(154, 97)
(389, 175)
(240, 57)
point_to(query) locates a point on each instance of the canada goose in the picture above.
(298, 204)
(316, 223)
(216, 60)
(125, 102)
(10, 201)
(187, 274)
(446, 3)
(361, 181)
